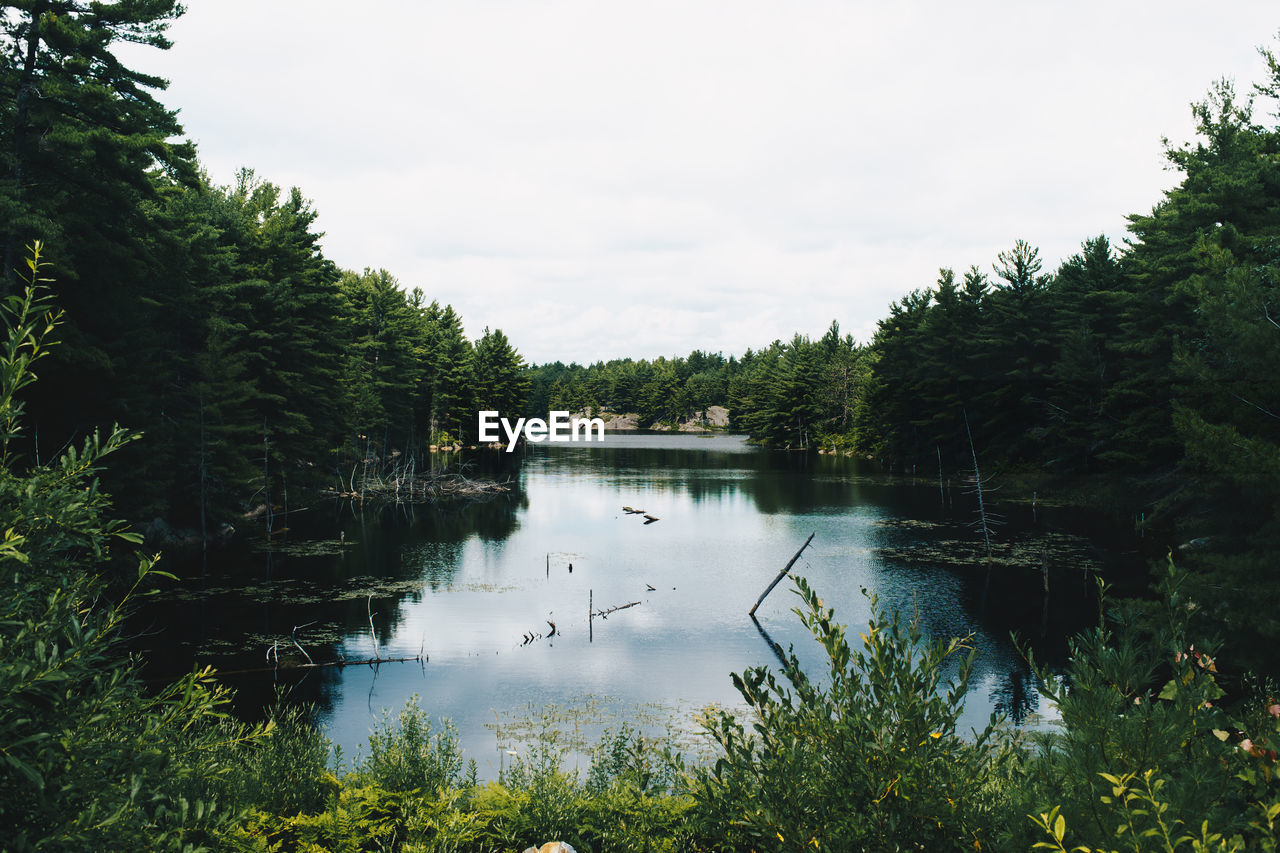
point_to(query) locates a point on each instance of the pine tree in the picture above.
(501, 381)
(1086, 299)
(79, 130)
(1020, 353)
(448, 376)
(384, 372)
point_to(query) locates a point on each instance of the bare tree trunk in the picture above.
(204, 481)
(942, 494)
(266, 472)
(782, 574)
(977, 484)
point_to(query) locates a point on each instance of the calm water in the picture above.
(468, 584)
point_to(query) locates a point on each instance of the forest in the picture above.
(186, 347)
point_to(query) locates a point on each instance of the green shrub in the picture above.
(286, 772)
(636, 795)
(1146, 757)
(405, 754)
(870, 760)
(536, 799)
(88, 759)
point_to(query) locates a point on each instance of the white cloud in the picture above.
(601, 179)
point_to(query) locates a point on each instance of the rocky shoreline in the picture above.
(715, 419)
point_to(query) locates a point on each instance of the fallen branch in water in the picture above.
(604, 614)
(405, 483)
(340, 663)
(273, 655)
(782, 574)
(533, 636)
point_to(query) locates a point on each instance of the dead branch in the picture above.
(604, 614)
(782, 574)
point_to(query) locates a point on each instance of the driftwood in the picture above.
(273, 654)
(782, 574)
(533, 636)
(648, 519)
(977, 488)
(403, 482)
(604, 614)
(339, 664)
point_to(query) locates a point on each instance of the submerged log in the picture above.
(340, 663)
(782, 574)
(420, 487)
(604, 614)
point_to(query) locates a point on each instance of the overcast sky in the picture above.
(602, 179)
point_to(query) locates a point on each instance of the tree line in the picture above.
(205, 315)
(802, 394)
(1146, 371)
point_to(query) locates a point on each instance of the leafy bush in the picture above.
(636, 795)
(88, 760)
(286, 772)
(871, 760)
(534, 799)
(1146, 757)
(406, 755)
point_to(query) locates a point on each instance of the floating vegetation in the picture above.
(307, 591)
(305, 548)
(910, 523)
(320, 633)
(1058, 549)
(579, 727)
(477, 586)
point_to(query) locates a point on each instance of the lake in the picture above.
(476, 587)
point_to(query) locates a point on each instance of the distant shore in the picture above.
(713, 419)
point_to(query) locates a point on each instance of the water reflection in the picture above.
(470, 583)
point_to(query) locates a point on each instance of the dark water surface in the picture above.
(466, 584)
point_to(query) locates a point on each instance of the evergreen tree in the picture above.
(1086, 299)
(384, 372)
(501, 382)
(1020, 351)
(449, 377)
(79, 131)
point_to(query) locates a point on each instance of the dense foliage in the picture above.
(866, 756)
(89, 760)
(660, 391)
(208, 317)
(1150, 371)
(205, 316)
(877, 729)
